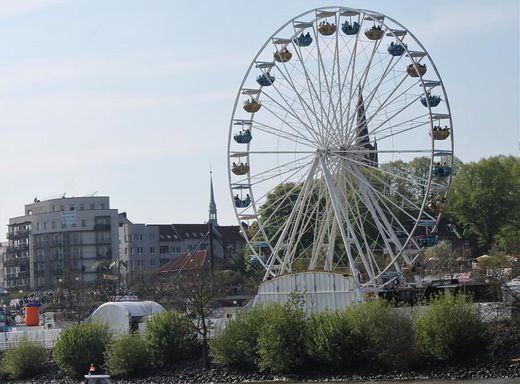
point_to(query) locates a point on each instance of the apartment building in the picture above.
(57, 238)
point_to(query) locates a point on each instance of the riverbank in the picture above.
(192, 373)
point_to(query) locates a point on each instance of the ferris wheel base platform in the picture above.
(321, 291)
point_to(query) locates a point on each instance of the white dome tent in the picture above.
(124, 316)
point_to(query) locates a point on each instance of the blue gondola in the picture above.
(254, 261)
(439, 171)
(303, 40)
(433, 100)
(350, 29)
(239, 203)
(427, 240)
(265, 79)
(396, 49)
(243, 137)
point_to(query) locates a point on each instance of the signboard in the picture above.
(109, 277)
(68, 218)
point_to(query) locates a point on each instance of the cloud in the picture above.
(15, 8)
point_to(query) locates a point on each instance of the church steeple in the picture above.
(212, 205)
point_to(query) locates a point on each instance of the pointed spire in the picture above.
(212, 205)
(362, 128)
(362, 132)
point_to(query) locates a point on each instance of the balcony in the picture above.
(17, 234)
(15, 261)
(22, 247)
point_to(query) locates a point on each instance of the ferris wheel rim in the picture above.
(314, 20)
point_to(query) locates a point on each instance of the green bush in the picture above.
(24, 360)
(170, 337)
(330, 340)
(382, 333)
(449, 329)
(236, 345)
(81, 345)
(281, 342)
(127, 355)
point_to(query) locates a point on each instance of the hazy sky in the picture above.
(132, 99)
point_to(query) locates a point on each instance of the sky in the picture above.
(132, 99)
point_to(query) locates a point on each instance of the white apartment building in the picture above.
(58, 238)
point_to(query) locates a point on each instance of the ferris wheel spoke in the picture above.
(393, 115)
(313, 95)
(386, 104)
(381, 79)
(305, 106)
(418, 182)
(394, 133)
(353, 62)
(294, 135)
(267, 175)
(289, 111)
(321, 115)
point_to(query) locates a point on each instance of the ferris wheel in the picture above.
(330, 114)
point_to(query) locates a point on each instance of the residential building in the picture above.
(147, 247)
(59, 237)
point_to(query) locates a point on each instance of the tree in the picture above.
(118, 264)
(485, 196)
(152, 285)
(440, 259)
(198, 290)
(77, 298)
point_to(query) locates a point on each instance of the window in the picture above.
(83, 223)
(37, 226)
(102, 206)
(152, 236)
(140, 237)
(176, 249)
(152, 249)
(126, 251)
(53, 225)
(44, 225)
(163, 249)
(139, 250)
(466, 244)
(131, 250)
(72, 207)
(152, 263)
(81, 207)
(92, 206)
(62, 207)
